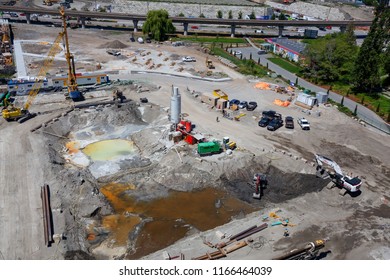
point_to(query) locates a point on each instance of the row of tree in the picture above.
(336, 58)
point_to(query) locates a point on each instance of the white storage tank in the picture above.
(175, 105)
(322, 97)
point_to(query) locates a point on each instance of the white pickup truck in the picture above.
(305, 125)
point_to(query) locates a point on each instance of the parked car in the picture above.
(140, 40)
(259, 31)
(264, 121)
(275, 124)
(267, 117)
(194, 27)
(132, 39)
(237, 53)
(289, 122)
(12, 14)
(148, 40)
(234, 102)
(243, 105)
(251, 106)
(261, 52)
(305, 125)
(188, 59)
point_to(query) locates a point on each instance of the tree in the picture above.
(282, 16)
(350, 34)
(219, 14)
(355, 111)
(273, 17)
(158, 25)
(342, 102)
(201, 15)
(181, 15)
(331, 59)
(239, 15)
(252, 15)
(369, 61)
(230, 15)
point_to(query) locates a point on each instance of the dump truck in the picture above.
(209, 148)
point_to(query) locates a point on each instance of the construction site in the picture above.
(114, 149)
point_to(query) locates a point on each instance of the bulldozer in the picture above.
(209, 63)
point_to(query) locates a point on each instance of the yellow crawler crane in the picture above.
(22, 114)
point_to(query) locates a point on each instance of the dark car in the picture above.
(264, 121)
(132, 39)
(234, 102)
(243, 104)
(251, 106)
(289, 122)
(275, 124)
(268, 116)
(148, 40)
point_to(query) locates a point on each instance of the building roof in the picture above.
(291, 45)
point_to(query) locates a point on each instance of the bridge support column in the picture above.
(232, 30)
(185, 25)
(82, 20)
(280, 31)
(135, 24)
(28, 18)
(343, 28)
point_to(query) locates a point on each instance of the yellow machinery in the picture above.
(22, 114)
(219, 93)
(209, 63)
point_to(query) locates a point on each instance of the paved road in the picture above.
(362, 112)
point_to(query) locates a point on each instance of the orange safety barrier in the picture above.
(262, 85)
(281, 103)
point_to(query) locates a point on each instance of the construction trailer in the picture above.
(209, 98)
(222, 104)
(209, 148)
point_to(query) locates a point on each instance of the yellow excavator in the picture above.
(22, 114)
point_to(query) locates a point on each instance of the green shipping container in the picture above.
(208, 148)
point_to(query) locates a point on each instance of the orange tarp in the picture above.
(262, 85)
(281, 103)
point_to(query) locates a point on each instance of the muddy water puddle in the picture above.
(109, 149)
(172, 216)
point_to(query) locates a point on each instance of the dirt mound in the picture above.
(113, 45)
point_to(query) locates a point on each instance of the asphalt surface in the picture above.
(363, 112)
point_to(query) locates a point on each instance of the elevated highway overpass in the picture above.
(233, 23)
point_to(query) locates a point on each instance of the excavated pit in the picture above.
(131, 196)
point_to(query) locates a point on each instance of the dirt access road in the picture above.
(24, 165)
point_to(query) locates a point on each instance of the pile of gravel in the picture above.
(113, 45)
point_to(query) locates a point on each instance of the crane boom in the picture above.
(54, 50)
(73, 91)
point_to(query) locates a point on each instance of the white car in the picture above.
(305, 125)
(189, 59)
(237, 53)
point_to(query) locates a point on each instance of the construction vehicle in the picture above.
(229, 145)
(209, 63)
(22, 114)
(344, 182)
(209, 148)
(260, 181)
